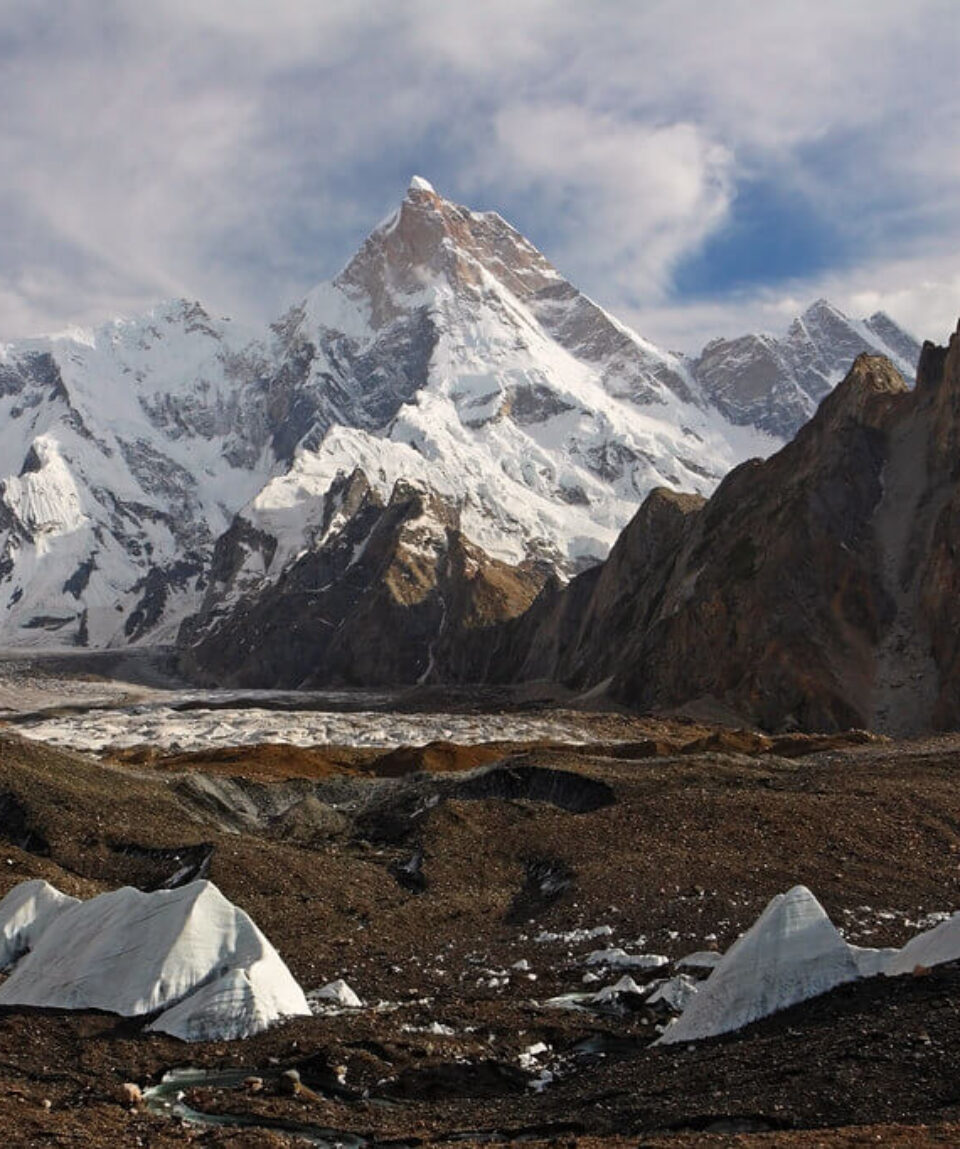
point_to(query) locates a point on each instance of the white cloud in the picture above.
(922, 295)
(235, 150)
(634, 197)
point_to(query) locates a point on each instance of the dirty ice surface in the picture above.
(204, 720)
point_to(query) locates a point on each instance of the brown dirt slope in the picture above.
(685, 856)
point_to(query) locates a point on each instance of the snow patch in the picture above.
(418, 183)
(337, 993)
(619, 959)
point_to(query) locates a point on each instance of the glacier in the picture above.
(188, 954)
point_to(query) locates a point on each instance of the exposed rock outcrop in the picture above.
(388, 590)
(776, 384)
(815, 590)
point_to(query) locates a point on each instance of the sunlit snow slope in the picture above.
(126, 452)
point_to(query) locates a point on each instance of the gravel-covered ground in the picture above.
(672, 842)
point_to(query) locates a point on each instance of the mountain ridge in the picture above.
(813, 590)
(448, 352)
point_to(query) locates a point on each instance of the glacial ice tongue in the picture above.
(792, 952)
(188, 951)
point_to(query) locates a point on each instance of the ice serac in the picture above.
(932, 947)
(791, 953)
(776, 383)
(235, 1004)
(188, 952)
(25, 913)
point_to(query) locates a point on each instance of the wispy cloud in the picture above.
(658, 190)
(237, 151)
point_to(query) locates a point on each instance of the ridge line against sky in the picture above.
(698, 169)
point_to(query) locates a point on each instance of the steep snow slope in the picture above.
(127, 451)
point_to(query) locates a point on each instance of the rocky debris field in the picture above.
(458, 890)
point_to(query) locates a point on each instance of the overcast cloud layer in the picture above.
(699, 168)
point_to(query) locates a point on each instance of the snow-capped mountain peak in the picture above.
(419, 184)
(430, 240)
(174, 459)
(452, 352)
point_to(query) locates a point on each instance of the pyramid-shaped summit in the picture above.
(432, 244)
(792, 952)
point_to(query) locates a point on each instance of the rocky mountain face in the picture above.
(155, 461)
(777, 384)
(174, 477)
(390, 584)
(816, 589)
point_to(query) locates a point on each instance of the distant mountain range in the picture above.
(445, 426)
(777, 384)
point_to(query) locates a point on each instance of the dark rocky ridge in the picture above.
(382, 599)
(776, 383)
(815, 590)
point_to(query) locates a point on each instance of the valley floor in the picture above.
(458, 908)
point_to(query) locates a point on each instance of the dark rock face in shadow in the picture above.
(546, 881)
(16, 826)
(565, 789)
(395, 812)
(166, 867)
(817, 590)
(379, 602)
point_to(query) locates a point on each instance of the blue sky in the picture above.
(698, 167)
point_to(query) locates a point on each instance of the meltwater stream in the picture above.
(167, 1100)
